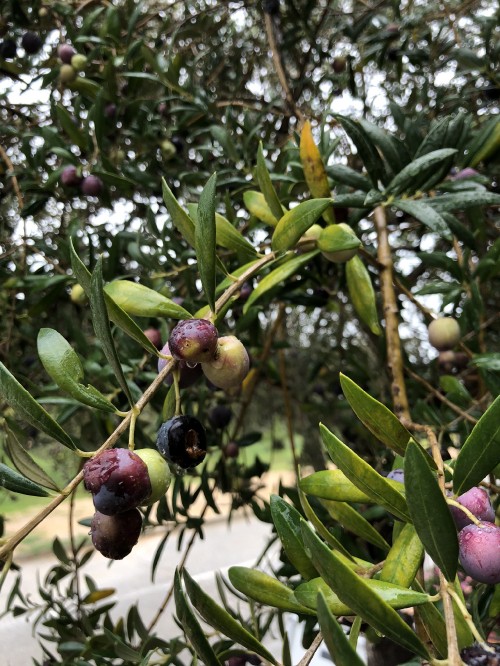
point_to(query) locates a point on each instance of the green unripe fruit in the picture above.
(78, 62)
(168, 149)
(67, 74)
(338, 243)
(313, 233)
(230, 365)
(78, 295)
(444, 333)
(159, 473)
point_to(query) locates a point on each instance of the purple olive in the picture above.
(479, 552)
(193, 340)
(220, 416)
(70, 177)
(188, 374)
(154, 336)
(397, 475)
(92, 186)
(478, 502)
(118, 480)
(65, 53)
(115, 536)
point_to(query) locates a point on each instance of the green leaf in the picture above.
(221, 620)
(415, 173)
(183, 223)
(205, 240)
(17, 483)
(102, 328)
(296, 222)
(394, 151)
(347, 176)
(480, 453)
(364, 476)
(353, 522)
(64, 366)
(366, 150)
(394, 595)
(286, 520)
(265, 589)
(362, 293)
(66, 121)
(191, 626)
(426, 214)
(266, 185)
(356, 594)
(429, 511)
(255, 203)
(332, 484)
(379, 420)
(140, 301)
(24, 463)
(337, 643)
(464, 200)
(404, 559)
(278, 276)
(487, 361)
(28, 408)
(337, 238)
(225, 233)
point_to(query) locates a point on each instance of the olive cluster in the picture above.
(31, 42)
(121, 480)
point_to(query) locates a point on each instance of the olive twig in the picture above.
(467, 616)
(468, 513)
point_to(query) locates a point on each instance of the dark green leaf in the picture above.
(415, 173)
(353, 522)
(341, 651)
(102, 327)
(225, 233)
(191, 626)
(429, 511)
(68, 125)
(426, 214)
(17, 483)
(355, 593)
(205, 240)
(266, 185)
(296, 222)
(464, 200)
(221, 620)
(286, 520)
(364, 476)
(28, 408)
(480, 453)
(379, 420)
(366, 150)
(347, 176)
(183, 223)
(24, 463)
(487, 361)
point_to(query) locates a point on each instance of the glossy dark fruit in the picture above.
(230, 365)
(245, 291)
(236, 660)
(182, 441)
(478, 502)
(339, 65)
(271, 7)
(188, 374)
(231, 450)
(220, 416)
(397, 475)
(444, 333)
(193, 340)
(31, 42)
(118, 480)
(178, 143)
(479, 655)
(65, 53)
(479, 552)
(92, 186)
(154, 336)
(8, 49)
(70, 177)
(115, 536)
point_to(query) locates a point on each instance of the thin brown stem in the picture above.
(286, 395)
(454, 658)
(441, 397)
(15, 184)
(390, 307)
(307, 658)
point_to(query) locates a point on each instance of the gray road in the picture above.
(240, 543)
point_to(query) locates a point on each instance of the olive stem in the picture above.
(306, 659)
(468, 513)
(131, 432)
(467, 617)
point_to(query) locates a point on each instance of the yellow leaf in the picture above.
(314, 169)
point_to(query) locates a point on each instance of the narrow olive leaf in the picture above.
(140, 301)
(393, 151)
(24, 463)
(425, 214)
(255, 203)
(409, 178)
(464, 200)
(332, 484)
(367, 151)
(286, 520)
(17, 483)
(266, 184)
(63, 365)
(337, 643)
(102, 328)
(364, 476)
(183, 223)
(278, 276)
(395, 595)
(191, 626)
(265, 589)
(296, 222)
(314, 169)
(347, 176)
(353, 522)
(225, 233)
(480, 453)
(379, 420)
(205, 240)
(355, 593)
(27, 408)
(404, 558)
(67, 123)
(221, 620)
(429, 511)
(362, 293)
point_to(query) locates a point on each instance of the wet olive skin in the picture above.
(182, 441)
